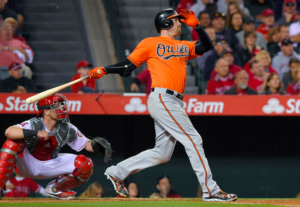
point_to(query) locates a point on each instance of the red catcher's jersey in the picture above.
(22, 187)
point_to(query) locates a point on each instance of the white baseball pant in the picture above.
(30, 167)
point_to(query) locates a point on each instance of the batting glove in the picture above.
(190, 18)
(97, 73)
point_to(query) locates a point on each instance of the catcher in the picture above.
(35, 144)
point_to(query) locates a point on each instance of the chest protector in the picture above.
(48, 149)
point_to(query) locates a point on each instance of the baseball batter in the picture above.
(35, 144)
(167, 60)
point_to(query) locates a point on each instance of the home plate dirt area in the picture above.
(144, 202)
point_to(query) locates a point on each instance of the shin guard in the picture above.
(83, 170)
(7, 158)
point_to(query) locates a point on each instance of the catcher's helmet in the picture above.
(163, 19)
(57, 102)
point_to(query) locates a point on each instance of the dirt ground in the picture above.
(282, 202)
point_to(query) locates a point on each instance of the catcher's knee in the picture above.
(83, 167)
(7, 158)
(83, 170)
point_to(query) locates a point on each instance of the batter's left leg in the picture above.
(161, 153)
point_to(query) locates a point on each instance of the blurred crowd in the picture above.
(256, 46)
(256, 49)
(16, 56)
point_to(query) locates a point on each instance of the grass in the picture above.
(124, 203)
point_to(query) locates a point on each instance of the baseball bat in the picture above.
(51, 91)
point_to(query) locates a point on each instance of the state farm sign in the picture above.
(196, 106)
(16, 104)
(292, 106)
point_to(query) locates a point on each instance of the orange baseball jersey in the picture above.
(167, 60)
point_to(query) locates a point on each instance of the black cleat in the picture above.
(118, 185)
(221, 197)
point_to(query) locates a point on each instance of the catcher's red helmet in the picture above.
(58, 102)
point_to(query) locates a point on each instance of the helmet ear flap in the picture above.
(167, 24)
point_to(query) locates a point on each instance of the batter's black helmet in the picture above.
(163, 19)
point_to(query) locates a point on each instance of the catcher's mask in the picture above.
(58, 103)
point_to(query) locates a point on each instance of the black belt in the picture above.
(179, 96)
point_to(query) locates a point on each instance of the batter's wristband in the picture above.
(29, 133)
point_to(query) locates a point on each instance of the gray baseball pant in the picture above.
(171, 124)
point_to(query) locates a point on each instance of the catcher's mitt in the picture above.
(102, 147)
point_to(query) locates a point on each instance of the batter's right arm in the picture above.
(123, 68)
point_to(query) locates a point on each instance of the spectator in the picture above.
(133, 190)
(95, 190)
(143, 78)
(164, 189)
(265, 59)
(14, 25)
(201, 60)
(259, 75)
(5, 12)
(227, 55)
(257, 6)
(272, 85)
(232, 9)
(21, 187)
(294, 88)
(85, 86)
(221, 44)
(249, 26)
(184, 4)
(273, 41)
(253, 55)
(288, 77)
(290, 13)
(15, 83)
(244, 53)
(212, 9)
(294, 30)
(268, 22)
(218, 23)
(12, 50)
(14, 5)
(224, 6)
(241, 85)
(205, 22)
(281, 60)
(236, 22)
(199, 6)
(284, 31)
(222, 81)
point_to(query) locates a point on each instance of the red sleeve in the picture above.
(195, 36)
(10, 193)
(210, 89)
(290, 89)
(75, 87)
(247, 66)
(33, 185)
(144, 76)
(94, 85)
(272, 70)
